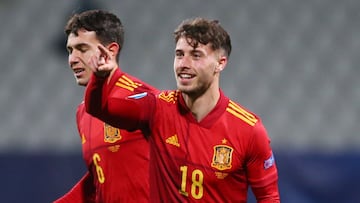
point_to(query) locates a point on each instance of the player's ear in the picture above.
(222, 61)
(114, 48)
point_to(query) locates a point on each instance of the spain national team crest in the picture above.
(111, 134)
(222, 158)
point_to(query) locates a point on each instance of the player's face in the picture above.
(194, 69)
(83, 46)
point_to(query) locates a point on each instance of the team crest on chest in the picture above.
(111, 134)
(222, 158)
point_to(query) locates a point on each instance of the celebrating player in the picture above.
(204, 147)
(117, 160)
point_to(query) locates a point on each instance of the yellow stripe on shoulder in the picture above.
(241, 113)
(127, 83)
(169, 97)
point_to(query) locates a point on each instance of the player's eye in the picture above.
(196, 55)
(179, 54)
(69, 50)
(83, 49)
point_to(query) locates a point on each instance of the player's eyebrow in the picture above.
(80, 46)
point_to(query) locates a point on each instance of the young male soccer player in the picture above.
(117, 160)
(204, 147)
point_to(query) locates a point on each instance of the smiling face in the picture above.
(197, 68)
(81, 46)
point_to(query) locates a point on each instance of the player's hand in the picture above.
(107, 62)
(102, 62)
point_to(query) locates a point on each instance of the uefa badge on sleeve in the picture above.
(269, 162)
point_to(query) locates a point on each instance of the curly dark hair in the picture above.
(106, 25)
(204, 31)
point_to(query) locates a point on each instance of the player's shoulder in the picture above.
(168, 96)
(82, 103)
(81, 107)
(239, 112)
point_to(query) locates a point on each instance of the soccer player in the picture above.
(204, 147)
(117, 160)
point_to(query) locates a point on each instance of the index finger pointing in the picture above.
(104, 52)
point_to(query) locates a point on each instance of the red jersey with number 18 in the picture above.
(214, 160)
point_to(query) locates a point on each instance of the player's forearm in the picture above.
(94, 96)
(111, 80)
(123, 113)
(118, 112)
(267, 194)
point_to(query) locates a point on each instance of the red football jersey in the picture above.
(214, 160)
(117, 160)
(82, 192)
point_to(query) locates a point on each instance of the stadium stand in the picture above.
(295, 63)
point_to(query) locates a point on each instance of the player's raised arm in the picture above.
(122, 111)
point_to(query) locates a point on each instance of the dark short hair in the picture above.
(106, 25)
(204, 31)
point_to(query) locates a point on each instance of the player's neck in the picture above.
(202, 105)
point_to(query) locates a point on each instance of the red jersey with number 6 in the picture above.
(117, 160)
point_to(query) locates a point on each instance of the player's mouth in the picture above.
(78, 71)
(185, 76)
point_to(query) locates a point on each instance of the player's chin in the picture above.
(181, 86)
(82, 82)
(185, 89)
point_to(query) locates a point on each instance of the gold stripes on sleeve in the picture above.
(241, 113)
(127, 83)
(169, 97)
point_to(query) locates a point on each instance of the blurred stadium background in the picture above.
(294, 63)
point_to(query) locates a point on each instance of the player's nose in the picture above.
(73, 59)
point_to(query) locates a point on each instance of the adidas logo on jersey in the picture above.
(173, 140)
